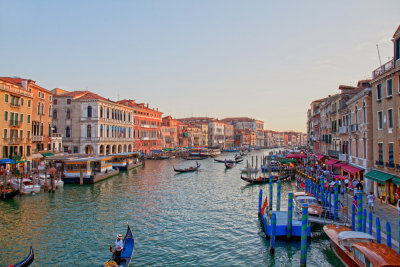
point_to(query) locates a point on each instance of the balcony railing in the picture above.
(37, 138)
(56, 135)
(389, 165)
(14, 140)
(14, 104)
(379, 163)
(333, 153)
(343, 129)
(382, 69)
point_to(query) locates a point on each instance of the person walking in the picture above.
(370, 198)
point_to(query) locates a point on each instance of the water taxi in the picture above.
(360, 249)
(93, 169)
(125, 161)
(314, 208)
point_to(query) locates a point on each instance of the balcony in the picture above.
(14, 140)
(56, 135)
(379, 163)
(389, 165)
(343, 157)
(382, 69)
(37, 138)
(15, 105)
(15, 123)
(343, 129)
(333, 153)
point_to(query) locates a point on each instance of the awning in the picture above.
(318, 156)
(36, 156)
(350, 169)
(48, 154)
(378, 176)
(296, 156)
(7, 161)
(339, 165)
(396, 180)
(331, 161)
(20, 161)
(185, 134)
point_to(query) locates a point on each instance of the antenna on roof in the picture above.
(379, 55)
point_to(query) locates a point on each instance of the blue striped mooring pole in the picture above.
(389, 235)
(270, 191)
(353, 217)
(370, 223)
(378, 230)
(273, 233)
(335, 204)
(289, 217)
(260, 202)
(303, 246)
(359, 211)
(278, 196)
(364, 227)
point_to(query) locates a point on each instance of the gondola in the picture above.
(27, 261)
(228, 160)
(195, 158)
(190, 169)
(127, 251)
(229, 165)
(8, 194)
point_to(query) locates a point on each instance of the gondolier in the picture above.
(119, 245)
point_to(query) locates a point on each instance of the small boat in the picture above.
(261, 180)
(195, 158)
(229, 165)
(359, 249)
(43, 182)
(314, 208)
(228, 160)
(27, 261)
(127, 251)
(190, 169)
(8, 194)
(28, 187)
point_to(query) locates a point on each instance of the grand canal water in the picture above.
(199, 219)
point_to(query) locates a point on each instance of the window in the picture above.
(5, 133)
(108, 113)
(21, 117)
(6, 98)
(101, 112)
(21, 134)
(55, 101)
(380, 120)
(41, 129)
(29, 103)
(75, 149)
(49, 97)
(28, 118)
(379, 92)
(389, 88)
(22, 101)
(380, 152)
(49, 111)
(89, 111)
(28, 135)
(364, 113)
(49, 130)
(55, 114)
(390, 118)
(38, 94)
(396, 49)
(89, 131)
(390, 152)
(67, 132)
(68, 114)
(28, 150)
(68, 101)
(5, 115)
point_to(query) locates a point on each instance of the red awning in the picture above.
(318, 156)
(350, 169)
(331, 161)
(296, 156)
(340, 177)
(339, 165)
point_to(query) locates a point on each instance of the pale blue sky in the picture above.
(262, 59)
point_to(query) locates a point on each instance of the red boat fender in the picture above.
(264, 205)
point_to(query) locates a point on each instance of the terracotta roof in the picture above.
(92, 96)
(73, 93)
(16, 81)
(240, 119)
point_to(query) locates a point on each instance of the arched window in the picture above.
(101, 130)
(101, 112)
(108, 113)
(55, 114)
(89, 111)
(54, 129)
(68, 114)
(67, 132)
(364, 113)
(89, 131)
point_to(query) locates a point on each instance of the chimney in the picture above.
(147, 105)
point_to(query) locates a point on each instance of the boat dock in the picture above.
(282, 225)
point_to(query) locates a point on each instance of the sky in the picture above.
(261, 59)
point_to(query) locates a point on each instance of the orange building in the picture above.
(169, 132)
(147, 126)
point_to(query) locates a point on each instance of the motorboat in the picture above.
(314, 208)
(355, 248)
(27, 187)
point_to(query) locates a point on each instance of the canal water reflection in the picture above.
(204, 218)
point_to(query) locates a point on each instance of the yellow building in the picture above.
(16, 108)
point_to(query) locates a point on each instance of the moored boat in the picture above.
(27, 261)
(251, 170)
(261, 180)
(27, 187)
(8, 194)
(127, 251)
(125, 161)
(360, 249)
(314, 208)
(229, 165)
(190, 169)
(228, 160)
